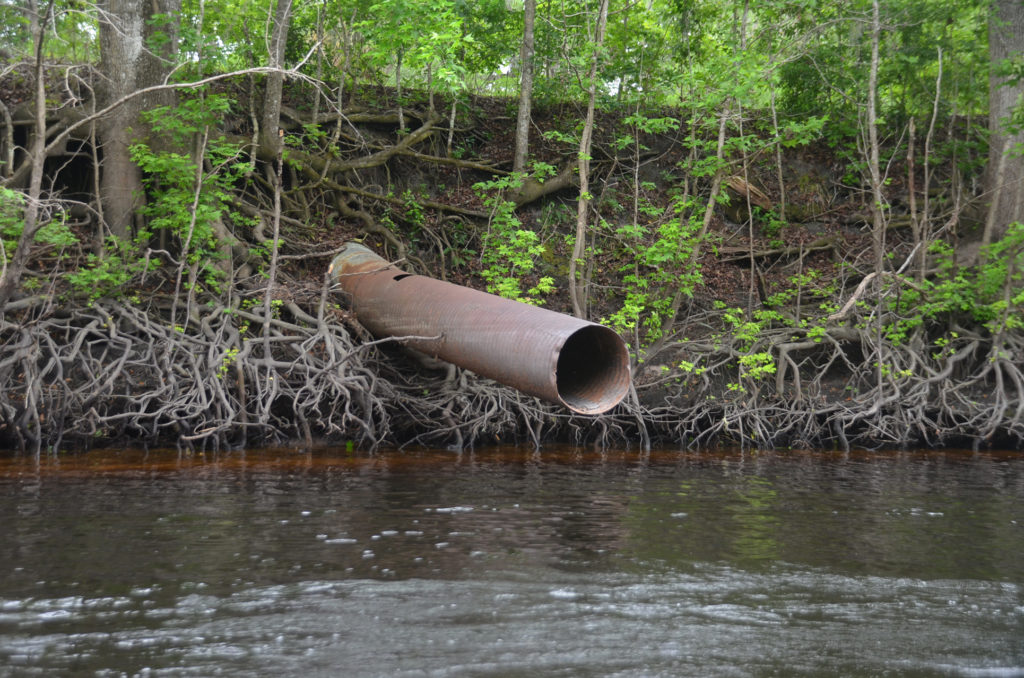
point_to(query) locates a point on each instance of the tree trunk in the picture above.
(874, 164)
(128, 65)
(877, 198)
(1004, 178)
(526, 53)
(10, 277)
(577, 288)
(270, 140)
(926, 228)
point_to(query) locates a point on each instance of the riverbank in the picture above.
(745, 327)
(111, 374)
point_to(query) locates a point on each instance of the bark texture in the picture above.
(270, 121)
(138, 40)
(526, 53)
(577, 286)
(1005, 174)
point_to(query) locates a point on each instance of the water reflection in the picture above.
(757, 521)
(512, 562)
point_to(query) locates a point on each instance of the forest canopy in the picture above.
(804, 217)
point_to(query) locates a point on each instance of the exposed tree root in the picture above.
(229, 374)
(111, 373)
(840, 390)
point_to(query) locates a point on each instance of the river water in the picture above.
(513, 563)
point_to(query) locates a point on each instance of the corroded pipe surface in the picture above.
(582, 365)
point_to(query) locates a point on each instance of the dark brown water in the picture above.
(513, 563)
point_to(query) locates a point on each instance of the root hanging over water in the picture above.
(844, 388)
(229, 377)
(112, 373)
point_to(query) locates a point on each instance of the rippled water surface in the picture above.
(513, 563)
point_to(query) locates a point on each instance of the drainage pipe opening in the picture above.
(592, 374)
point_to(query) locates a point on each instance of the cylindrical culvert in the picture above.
(579, 364)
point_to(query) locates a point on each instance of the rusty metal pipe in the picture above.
(581, 365)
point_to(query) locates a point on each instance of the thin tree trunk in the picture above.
(270, 140)
(926, 227)
(7, 144)
(577, 288)
(320, 11)
(268, 296)
(347, 45)
(877, 199)
(915, 218)
(751, 290)
(451, 126)
(998, 179)
(430, 89)
(398, 91)
(526, 55)
(10, 280)
(874, 165)
(778, 159)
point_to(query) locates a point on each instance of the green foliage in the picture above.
(662, 263)
(646, 125)
(53, 232)
(832, 70)
(671, 68)
(187, 200)
(109, 274)
(798, 283)
(413, 210)
(427, 34)
(56, 232)
(12, 221)
(662, 52)
(508, 250)
(227, 361)
(757, 366)
(225, 35)
(458, 250)
(1002, 278)
(569, 139)
(795, 133)
(14, 28)
(990, 295)
(745, 330)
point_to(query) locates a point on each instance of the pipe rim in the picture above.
(592, 370)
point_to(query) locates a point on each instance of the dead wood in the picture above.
(392, 200)
(533, 189)
(727, 253)
(454, 162)
(326, 164)
(747, 192)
